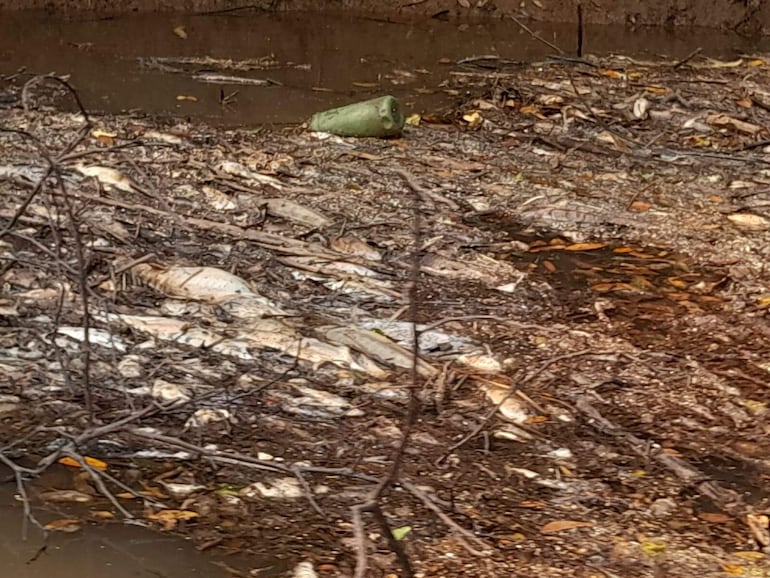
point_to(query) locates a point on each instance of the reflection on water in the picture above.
(347, 58)
(114, 551)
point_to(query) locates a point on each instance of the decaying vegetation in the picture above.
(213, 329)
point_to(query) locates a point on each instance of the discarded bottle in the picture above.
(379, 117)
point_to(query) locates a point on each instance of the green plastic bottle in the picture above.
(379, 117)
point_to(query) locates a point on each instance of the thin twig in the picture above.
(688, 58)
(511, 391)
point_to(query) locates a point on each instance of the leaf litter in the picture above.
(592, 292)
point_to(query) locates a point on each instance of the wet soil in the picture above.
(593, 244)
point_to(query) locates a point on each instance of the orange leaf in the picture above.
(612, 74)
(66, 525)
(549, 266)
(604, 287)
(536, 419)
(744, 102)
(562, 525)
(168, 518)
(714, 517)
(584, 246)
(93, 462)
(532, 504)
(639, 206)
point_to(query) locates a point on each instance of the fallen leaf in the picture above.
(749, 556)
(725, 121)
(93, 462)
(66, 525)
(744, 102)
(168, 519)
(749, 221)
(562, 525)
(585, 246)
(535, 504)
(613, 74)
(712, 63)
(549, 266)
(653, 547)
(763, 302)
(639, 206)
(413, 120)
(65, 496)
(473, 118)
(400, 533)
(714, 517)
(533, 110)
(186, 97)
(181, 32)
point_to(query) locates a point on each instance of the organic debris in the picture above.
(231, 344)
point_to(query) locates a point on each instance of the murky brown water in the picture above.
(97, 551)
(347, 58)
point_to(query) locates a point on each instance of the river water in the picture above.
(317, 61)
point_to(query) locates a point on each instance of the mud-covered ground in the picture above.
(592, 240)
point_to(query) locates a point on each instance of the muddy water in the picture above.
(114, 550)
(319, 61)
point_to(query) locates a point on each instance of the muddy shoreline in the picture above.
(592, 287)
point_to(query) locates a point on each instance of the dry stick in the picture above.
(431, 505)
(688, 58)
(99, 482)
(31, 196)
(511, 391)
(728, 500)
(373, 502)
(18, 472)
(83, 287)
(580, 30)
(534, 34)
(574, 87)
(40, 79)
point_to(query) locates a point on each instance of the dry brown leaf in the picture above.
(749, 222)
(562, 525)
(535, 504)
(168, 519)
(714, 517)
(66, 525)
(639, 206)
(65, 496)
(725, 121)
